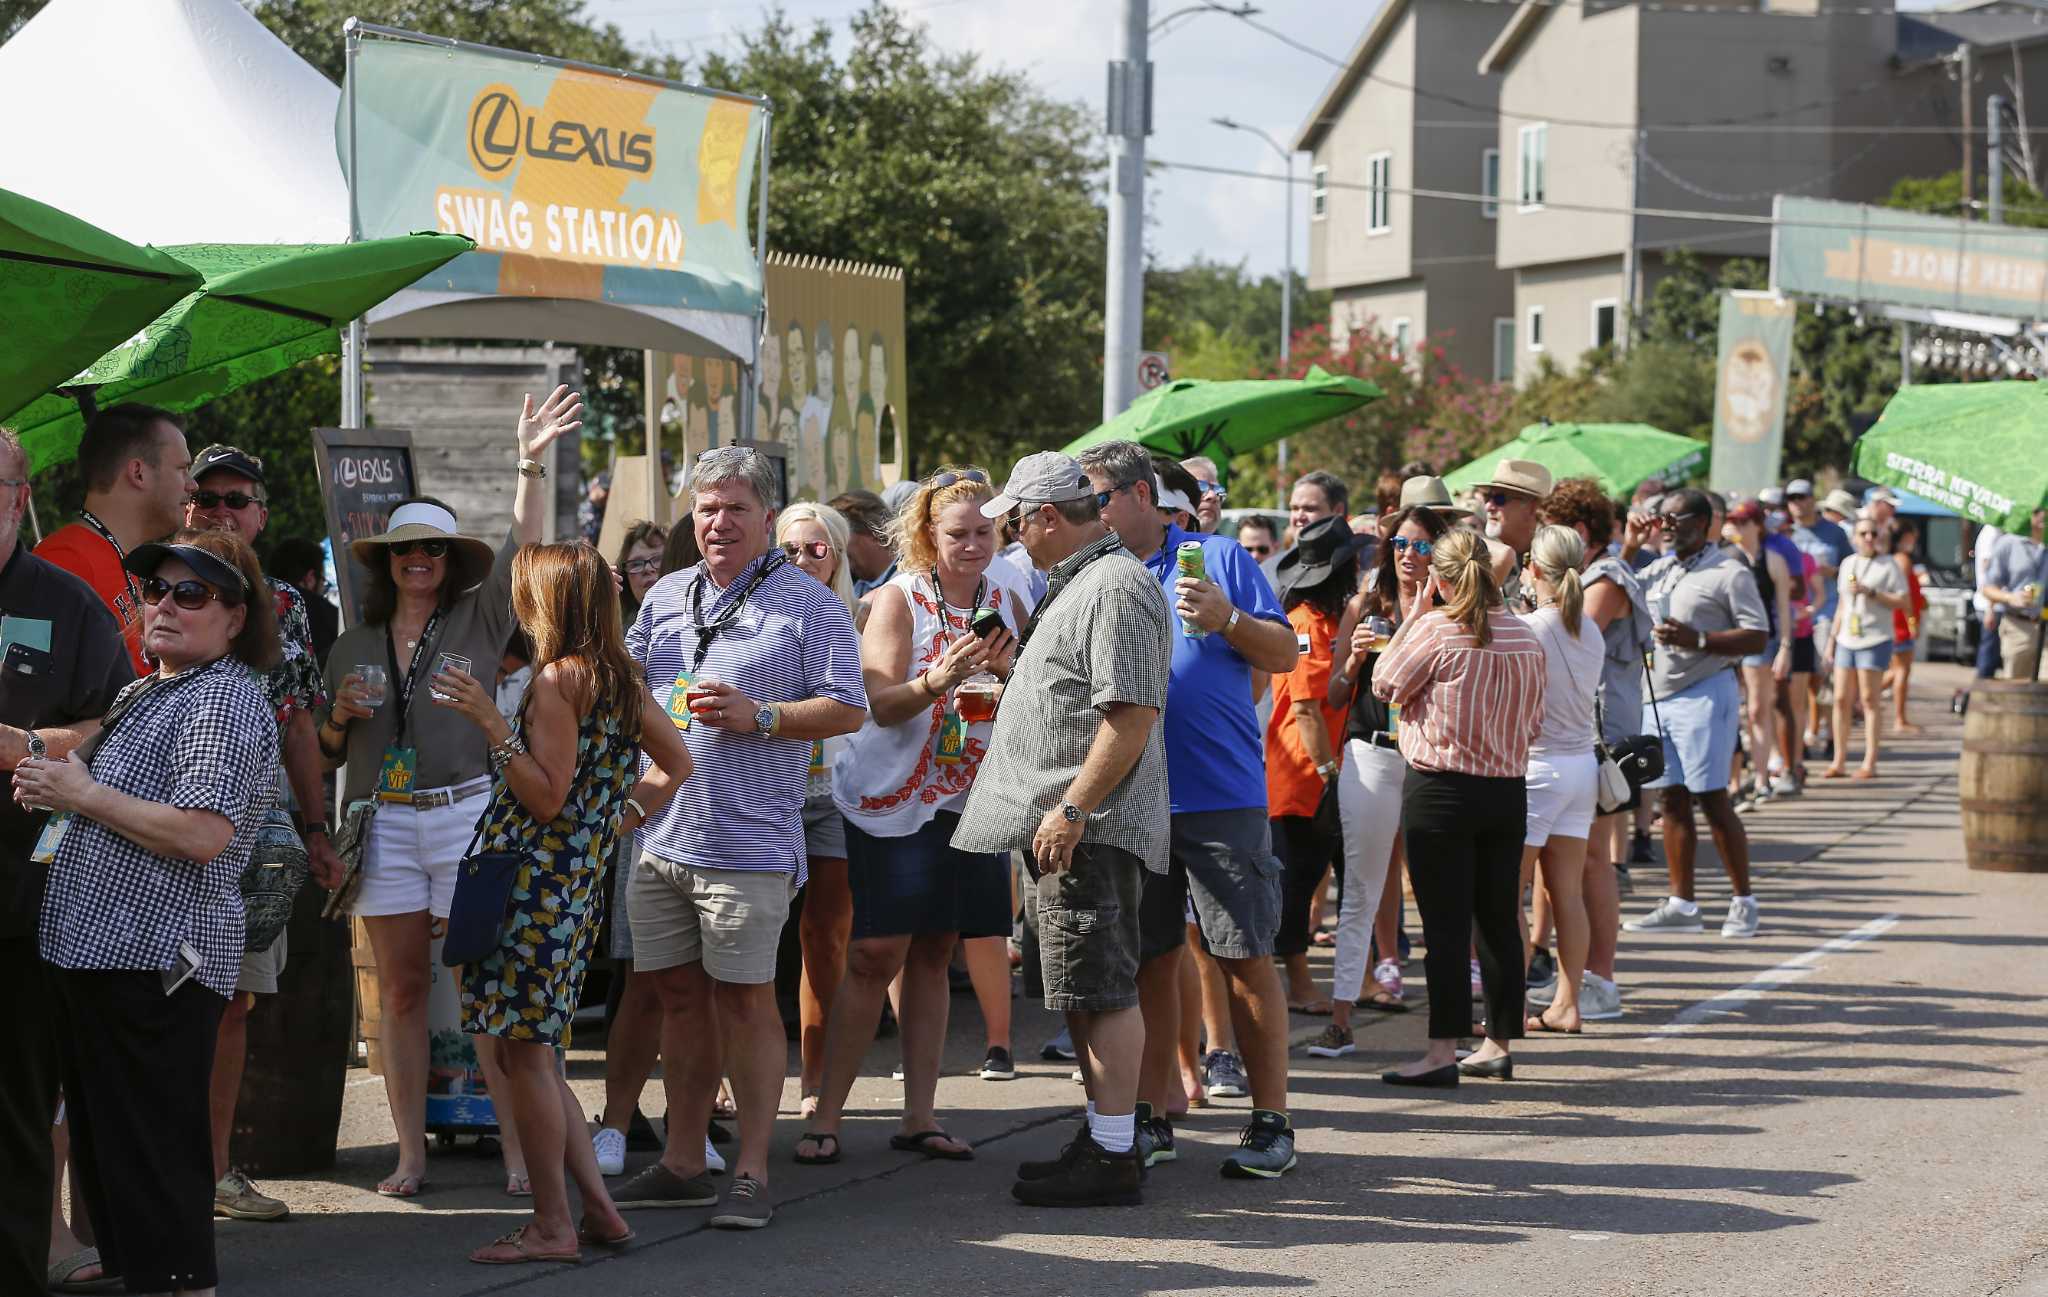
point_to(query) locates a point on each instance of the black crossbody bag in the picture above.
(483, 893)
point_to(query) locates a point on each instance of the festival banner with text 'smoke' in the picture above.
(579, 185)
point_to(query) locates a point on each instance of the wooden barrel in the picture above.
(369, 1013)
(300, 1043)
(2004, 777)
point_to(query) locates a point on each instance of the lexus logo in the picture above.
(501, 130)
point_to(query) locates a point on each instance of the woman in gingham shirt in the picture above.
(143, 916)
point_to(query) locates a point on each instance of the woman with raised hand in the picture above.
(434, 593)
(1860, 644)
(1369, 789)
(1469, 680)
(934, 666)
(565, 784)
(1564, 774)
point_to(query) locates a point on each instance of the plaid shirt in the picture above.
(203, 739)
(1102, 639)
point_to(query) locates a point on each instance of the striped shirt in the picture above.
(1103, 639)
(1465, 709)
(792, 640)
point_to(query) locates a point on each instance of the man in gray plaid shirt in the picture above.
(1076, 775)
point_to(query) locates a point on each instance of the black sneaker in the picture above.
(1154, 1139)
(640, 1136)
(997, 1066)
(1265, 1150)
(1639, 850)
(1542, 968)
(1094, 1177)
(657, 1186)
(1053, 1166)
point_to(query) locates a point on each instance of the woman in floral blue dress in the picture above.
(565, 792)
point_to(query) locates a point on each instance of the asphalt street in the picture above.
(1847, 1104)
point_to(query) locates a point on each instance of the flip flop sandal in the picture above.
(595, 1239)
(821, 1157)
(1384, 1002)
(521, 1254)
(1324, 939)
(401, 1186)
(924, 1142)
(1312, 1009)
(1538, 1025)
(518, 1186)
(59, 1274)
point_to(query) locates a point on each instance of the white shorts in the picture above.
(410, 858)
(1563, 794)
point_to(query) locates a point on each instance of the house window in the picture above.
(1503, 350)
(1532, 159)
(1535, 328)
(1379, 179)
(1489, 183)
(1605, 316)
(1403, 336)
(1319, 193)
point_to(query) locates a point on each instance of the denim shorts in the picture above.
(1224, 870)
(1768, 657)
(1699, 728)
(1088, 931)
(1875, 658)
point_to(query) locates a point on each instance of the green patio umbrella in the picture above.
(1222, 419)
(1620, 456)
(261, 309)
(1976, 448)
(68, 293)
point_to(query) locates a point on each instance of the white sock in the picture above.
(1091, 1113)
(1684, 906)
(1113, 1134)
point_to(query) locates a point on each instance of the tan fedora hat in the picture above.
(1430, 493)
(1524, 475)
(469, 559)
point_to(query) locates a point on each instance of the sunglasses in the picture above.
(943, 480)
(189, 595)
(1258, 551)
(232, 499)
(1422, 548)
(815, 550)
(1210, 488)
(1502, 499)
(431, 548)
(1670, 521)
(1797, 495)
(635, 566)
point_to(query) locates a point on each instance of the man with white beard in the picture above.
(1512, 499)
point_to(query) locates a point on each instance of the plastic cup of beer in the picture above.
(975, 698)
(700, 692)
(448, 661)
(374, 684)
(1382, 632)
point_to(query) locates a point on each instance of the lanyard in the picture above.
(421, 653)
(946, 622)
(121, 556)
(1108, 544)
(708, 631)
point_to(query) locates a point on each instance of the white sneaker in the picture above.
(610, 1147)
(1667, 917)
(1742, 917)
(713, 1163)
(1599, 999)
(1784, 786)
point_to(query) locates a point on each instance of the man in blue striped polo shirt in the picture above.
(754, 660)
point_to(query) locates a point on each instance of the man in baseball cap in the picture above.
(231, 497)
(1045, 478)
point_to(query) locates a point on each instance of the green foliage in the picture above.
(1943, 196)
(1227, 300)
(562, 28)
(983, 190)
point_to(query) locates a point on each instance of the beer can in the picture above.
(1187, 560)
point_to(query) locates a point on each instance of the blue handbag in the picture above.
(483, 893)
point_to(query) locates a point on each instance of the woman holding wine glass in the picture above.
(936, 646)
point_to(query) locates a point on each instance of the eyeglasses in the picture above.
(431, 548)
(189, 595)
(1422, 548)
(1670, 521)
(233, 499)
(636, 566)
(943, 480)
(13, 483)
(815, 550)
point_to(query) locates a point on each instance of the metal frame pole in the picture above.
(749, 414)
(357, 335)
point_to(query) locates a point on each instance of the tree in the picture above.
(562, 28)
(1943, 195)
(1225, 299)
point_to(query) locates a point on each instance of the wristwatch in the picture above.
(1071, 813)
(1328, 769)
(1231, 625)
(36, 747)
(764, 719)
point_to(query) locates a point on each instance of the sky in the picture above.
(1204, 66)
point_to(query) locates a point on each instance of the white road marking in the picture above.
(1790, 971)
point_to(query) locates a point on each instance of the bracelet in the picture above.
(314, 826)
(502, 753)
(638, 809)
(532, 468)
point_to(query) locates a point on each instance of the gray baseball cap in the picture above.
(1045, 478)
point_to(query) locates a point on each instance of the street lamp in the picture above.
(1287, 272)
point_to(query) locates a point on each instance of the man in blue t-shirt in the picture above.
(1221, 840)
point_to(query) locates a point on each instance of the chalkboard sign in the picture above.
(364, 474)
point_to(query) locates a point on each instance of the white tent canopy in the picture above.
(171, 121)
(188, 121)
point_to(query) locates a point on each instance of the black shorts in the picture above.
(1804, 660)
(1088, 931)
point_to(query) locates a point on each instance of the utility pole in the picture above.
(1130, 121)
(1966, 57)
(1994, 161)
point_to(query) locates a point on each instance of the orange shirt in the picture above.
(1292, 785)
(90, 557)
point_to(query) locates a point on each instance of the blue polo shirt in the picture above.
(1215, 755)
(1829, 545)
